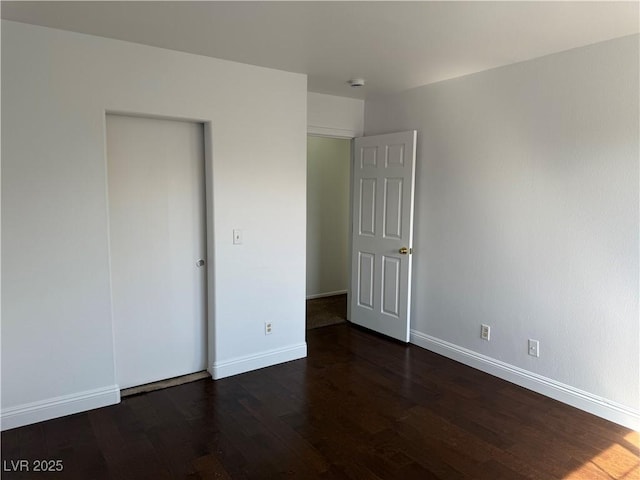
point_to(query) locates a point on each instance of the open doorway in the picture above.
(328, 191)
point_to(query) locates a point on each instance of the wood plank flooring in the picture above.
(359, 407)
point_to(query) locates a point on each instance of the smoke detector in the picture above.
(356, 82)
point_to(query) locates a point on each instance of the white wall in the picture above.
(57, 348)
(527, 220)
(328, 181)
(334, 116)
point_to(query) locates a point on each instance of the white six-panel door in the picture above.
(157, 236)
(383, 184)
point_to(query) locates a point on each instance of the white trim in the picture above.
(34, 412)
(248, 363)
(326, 294)
(575, 397)
(319, 131)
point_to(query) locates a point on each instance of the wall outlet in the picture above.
(534, 348)
(268, 328)
(485, 332)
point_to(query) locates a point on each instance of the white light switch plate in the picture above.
(237, 236)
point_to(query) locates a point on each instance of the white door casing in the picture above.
(157, 236)
(382, 216)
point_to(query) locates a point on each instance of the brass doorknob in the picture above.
(404, 251)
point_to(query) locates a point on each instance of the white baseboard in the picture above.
(248, 363)
(327, 294)
(34, 412)
(601, 407)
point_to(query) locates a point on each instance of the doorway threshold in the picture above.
(160, 384)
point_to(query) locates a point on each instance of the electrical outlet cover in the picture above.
(485, 332)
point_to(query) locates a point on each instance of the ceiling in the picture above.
(393, 45)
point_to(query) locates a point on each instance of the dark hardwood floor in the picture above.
(358, 407)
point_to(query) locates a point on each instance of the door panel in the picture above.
(391, 286)
(393, 208)
(382, 232)
(157, 236)
(365, 280)
(395, 157)
(367, 206)
(369, 156)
